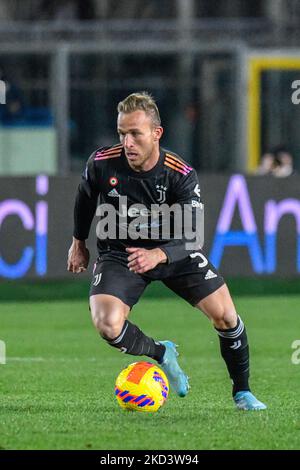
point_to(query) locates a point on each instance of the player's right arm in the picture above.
(84, 211)
(78, 256)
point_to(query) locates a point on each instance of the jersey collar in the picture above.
(145, 174)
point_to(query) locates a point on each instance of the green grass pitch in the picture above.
(57, 387)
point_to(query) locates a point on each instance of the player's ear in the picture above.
(158, 132)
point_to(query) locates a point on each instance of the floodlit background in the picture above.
(226, 77)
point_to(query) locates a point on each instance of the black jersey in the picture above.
(108, 179)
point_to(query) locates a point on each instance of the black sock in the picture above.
(235, 352)
(133, 341)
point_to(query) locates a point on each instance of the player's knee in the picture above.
(108, 323)
(220, 309)
(225, 318)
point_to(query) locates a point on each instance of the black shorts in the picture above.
(193, 279)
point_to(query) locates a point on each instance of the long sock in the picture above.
(235, 352)
(133, 341)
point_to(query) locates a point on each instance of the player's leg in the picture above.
(219, 308)
(114, 291)
(109, 315)
(198, 282)
(177, 378)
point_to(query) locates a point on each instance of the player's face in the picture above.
(140, 139)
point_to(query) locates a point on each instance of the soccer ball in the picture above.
(142, 386)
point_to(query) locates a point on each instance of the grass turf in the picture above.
(57, 386)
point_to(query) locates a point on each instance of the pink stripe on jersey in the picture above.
(170, 157)
(181, 170)
(109, 156)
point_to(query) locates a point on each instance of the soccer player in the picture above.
(149, 175)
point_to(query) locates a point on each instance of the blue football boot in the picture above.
(247, 401)
(177, 378)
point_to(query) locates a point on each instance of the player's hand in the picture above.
(78, 257)
(141, 260)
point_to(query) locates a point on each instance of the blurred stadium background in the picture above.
(224, 74)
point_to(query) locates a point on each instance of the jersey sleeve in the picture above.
(86, 201)
(188, 200)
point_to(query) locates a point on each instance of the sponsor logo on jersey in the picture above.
(113, 193)
(210, 275)
(157, 222)
(196, 203)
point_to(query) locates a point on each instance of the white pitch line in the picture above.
(50, 359)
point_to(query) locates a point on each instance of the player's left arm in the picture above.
(188, 200)
(141, 260)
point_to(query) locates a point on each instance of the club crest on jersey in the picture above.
(113, 181)
(161, 192)
(97, 279)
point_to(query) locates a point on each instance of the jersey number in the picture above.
(204, 260)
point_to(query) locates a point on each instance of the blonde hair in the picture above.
(141, 101)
